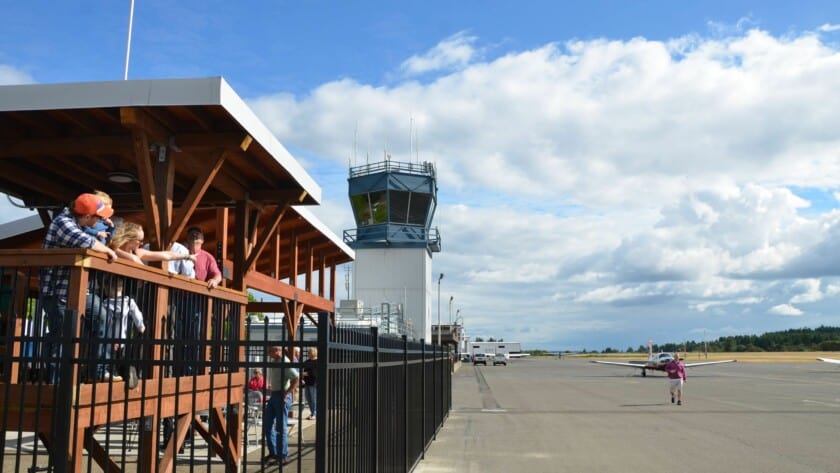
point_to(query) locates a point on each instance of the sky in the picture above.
(608, 173)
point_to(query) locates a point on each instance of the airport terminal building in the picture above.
(497, 348)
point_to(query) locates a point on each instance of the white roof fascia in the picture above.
(307, 214)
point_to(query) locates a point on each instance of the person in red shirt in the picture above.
(206, 268)
(257, 382)
(676, 377)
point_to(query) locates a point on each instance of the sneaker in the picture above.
(132, 377)
(672, 399)
(269, 459)
(679, 403)
(108, 377)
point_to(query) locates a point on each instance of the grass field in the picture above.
(747, 357)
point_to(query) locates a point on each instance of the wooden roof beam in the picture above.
(199, 188)
(147, 180)
(44, 148)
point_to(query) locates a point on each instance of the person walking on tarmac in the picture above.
(676, 377)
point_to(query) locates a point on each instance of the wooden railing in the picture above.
(186, 362)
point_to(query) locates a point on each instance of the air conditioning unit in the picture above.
(351, 307)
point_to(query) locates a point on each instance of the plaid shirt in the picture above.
(64, 232)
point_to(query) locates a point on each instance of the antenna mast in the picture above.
(128, 42)
(355, 138)
(347, 279)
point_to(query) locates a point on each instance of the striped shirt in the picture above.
(64, 232)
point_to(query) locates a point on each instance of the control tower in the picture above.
(393, 205)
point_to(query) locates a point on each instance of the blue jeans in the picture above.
(55, 309)
(275, 420)
(311, 394)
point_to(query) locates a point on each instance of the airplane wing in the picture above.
(690, 365)
(639, 365)
(518, 355)
(830, 360)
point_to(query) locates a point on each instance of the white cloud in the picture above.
(10, 76)
(701, 307)
(785, 309)
(809, 291)
(583, 178)
(452, 53)
(829, 28)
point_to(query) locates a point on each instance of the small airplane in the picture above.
(516, 355)
(657, 361)
(830, 360)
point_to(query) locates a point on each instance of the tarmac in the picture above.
(568, 415)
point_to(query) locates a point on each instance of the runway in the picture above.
(567, 415)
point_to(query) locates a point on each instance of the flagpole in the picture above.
(128, 41)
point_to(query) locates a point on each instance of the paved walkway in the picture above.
(194, 458)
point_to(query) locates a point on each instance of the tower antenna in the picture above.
(355, 138)
(347, 279)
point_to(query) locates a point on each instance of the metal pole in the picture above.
(438, 324)
(451, 298)
(128, 41)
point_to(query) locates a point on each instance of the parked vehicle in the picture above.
(480, 358)
(499, 360)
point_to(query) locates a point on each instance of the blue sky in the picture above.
(609, 172)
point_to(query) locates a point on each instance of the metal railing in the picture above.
(182, 403)
(425, 168)
(386, 398)
(378, 234)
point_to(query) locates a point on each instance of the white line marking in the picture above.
(821, 402)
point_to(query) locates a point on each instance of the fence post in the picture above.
(374, 332)
(64, 396)
(405, 403)
(423, 394)
(323, 407)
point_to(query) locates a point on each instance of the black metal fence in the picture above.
(385, 397)
(380, 399)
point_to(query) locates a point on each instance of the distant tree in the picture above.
(259, 315)
(830, 345)
(610, 350)
(491, 339)
(801, 339)
(501, 339)
(479, 339)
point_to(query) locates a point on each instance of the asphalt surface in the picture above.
(567, 415)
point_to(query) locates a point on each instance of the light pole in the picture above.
(451, 298)
(438, 324)
(460, 329)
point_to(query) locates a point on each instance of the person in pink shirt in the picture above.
(206, 268)
(676, 377)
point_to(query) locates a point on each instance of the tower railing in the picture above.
(394, 233)
(424, 168)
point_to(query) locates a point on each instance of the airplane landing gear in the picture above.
(644, 372)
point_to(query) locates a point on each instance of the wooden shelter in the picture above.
(172, 154)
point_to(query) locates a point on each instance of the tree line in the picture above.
(801, 339)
